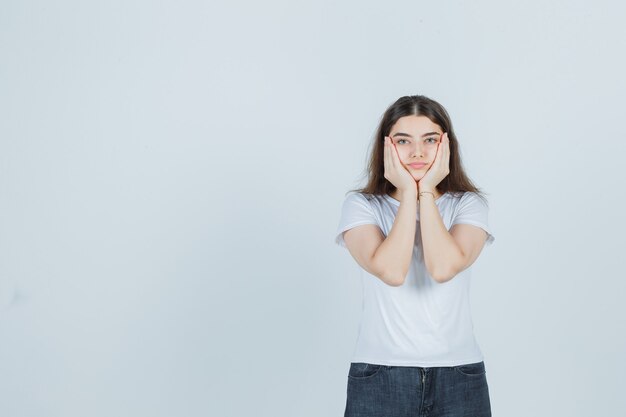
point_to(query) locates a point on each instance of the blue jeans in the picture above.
(403, 391)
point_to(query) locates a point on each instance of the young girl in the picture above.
(415, 230)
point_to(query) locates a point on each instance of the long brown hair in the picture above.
(455, 181)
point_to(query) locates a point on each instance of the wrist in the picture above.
(427, 193)
(408, 194)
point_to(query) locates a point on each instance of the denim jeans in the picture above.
(403, 391)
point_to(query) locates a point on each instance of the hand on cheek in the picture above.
(440, 167)
(395, 171)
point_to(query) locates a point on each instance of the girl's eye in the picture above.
(402, 140)
(434, 140)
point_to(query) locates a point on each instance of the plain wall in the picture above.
(172, 175)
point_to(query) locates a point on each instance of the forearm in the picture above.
(395, 253)
(441, 253)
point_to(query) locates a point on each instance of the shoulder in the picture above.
(372, 204)
(355, 197)
(472, 208)
(469, 198)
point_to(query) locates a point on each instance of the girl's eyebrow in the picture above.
(409, 136)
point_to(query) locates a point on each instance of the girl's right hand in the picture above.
(395, 172)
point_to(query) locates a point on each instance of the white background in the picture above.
(172, 174)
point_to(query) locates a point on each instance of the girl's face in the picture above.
(416, 138)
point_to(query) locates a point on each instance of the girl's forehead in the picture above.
(416, 123)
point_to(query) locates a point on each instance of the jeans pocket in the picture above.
(362, 370)
(471, 369)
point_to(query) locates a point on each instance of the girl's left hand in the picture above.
(439, 169)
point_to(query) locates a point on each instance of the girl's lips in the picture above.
(417, 166)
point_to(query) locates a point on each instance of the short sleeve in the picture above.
(472, 209)
(355, 211)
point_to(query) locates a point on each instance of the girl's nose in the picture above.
(417, 151)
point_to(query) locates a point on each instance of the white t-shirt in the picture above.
(422, 322)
